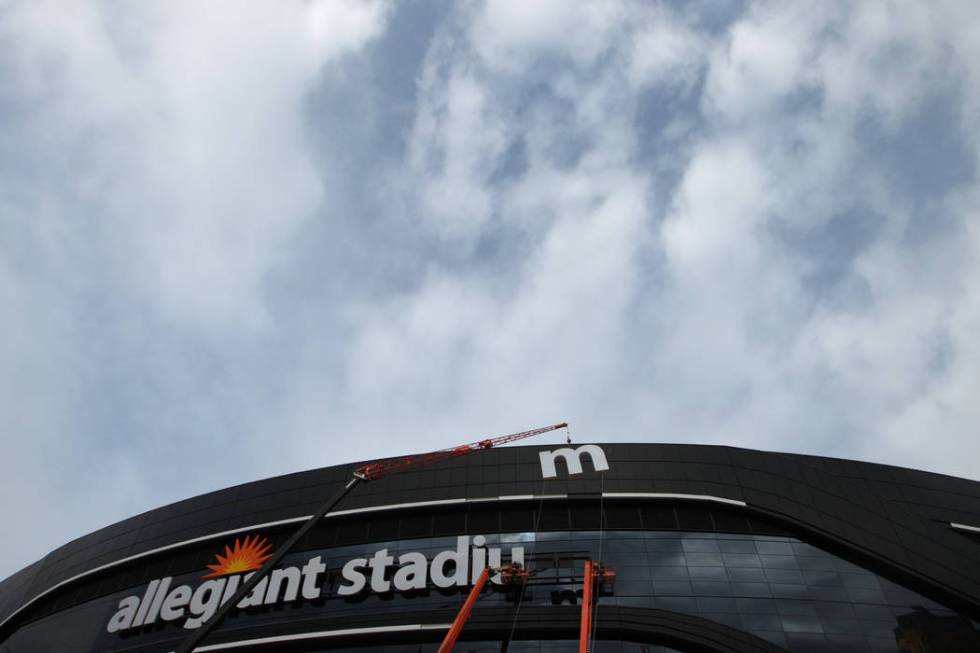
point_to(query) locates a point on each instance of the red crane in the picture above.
(373, 471)
(368, 472)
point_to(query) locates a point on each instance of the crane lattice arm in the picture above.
(365, 473)
(388, 467)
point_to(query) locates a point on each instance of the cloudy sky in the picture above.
(247, 239)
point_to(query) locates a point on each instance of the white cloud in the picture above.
(154, 157)
(624, 215)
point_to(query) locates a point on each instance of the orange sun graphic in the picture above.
(245, 556)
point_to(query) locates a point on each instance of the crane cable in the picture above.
(602, 519)
(537, 523)
(520, 597)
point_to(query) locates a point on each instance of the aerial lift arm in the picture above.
(596, 574)
(368, 472)
(464, 614)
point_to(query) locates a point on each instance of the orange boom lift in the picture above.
(596, 573)
(369, 472)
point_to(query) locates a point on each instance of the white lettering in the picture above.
(204, 603)
(145, 603)
(151, 616)
(292, 576)
(123, 619)
(412, 573)
(173, 605)
(313, 568)
(479, 557)
(379, 564)
(460, 557)
(231, 588)
(573, 459)
(351, 572)
(256, 597)
(451, 568)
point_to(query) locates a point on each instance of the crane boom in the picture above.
(365, 473)
(373, 471)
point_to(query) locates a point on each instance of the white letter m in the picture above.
(573, 460)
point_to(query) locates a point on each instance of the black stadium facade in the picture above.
(714, 549)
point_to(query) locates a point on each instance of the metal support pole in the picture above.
(464, 613)
(197, 636)
(585, 626)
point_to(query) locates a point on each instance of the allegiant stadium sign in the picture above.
(160, 602)
(457, 567)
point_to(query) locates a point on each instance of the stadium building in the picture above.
(708, 549)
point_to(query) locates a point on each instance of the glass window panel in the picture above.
(788, 607)
(779, 562)
(903, 597)
(828, 578)
(638, 573)
(672, 588)
(666, 559)
(727, 618)
(737, 546)
(633, 588)
(747, 574)
(860, 581)
(788, 591)
(834, 610)
(670, 545)
(821, 593)
(784, 576)
(804, 549)
(845, 566)
(705, 559)
(676, 572)
(775, 548)
(821, 564)
(881, 629)
(716, 604)
(708, 573)
(741, 560)
(757, 621)
(700, 546)
(881, 612)
(683, 604)
(801, 624)
(711, 588)
(761, 606)
(777, 637)
(847, 603)
(866, 596)
(757, 590)
(627, 546)
(841, 625)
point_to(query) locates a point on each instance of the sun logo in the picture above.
(244, 556)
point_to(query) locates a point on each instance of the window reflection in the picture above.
(777, 587)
